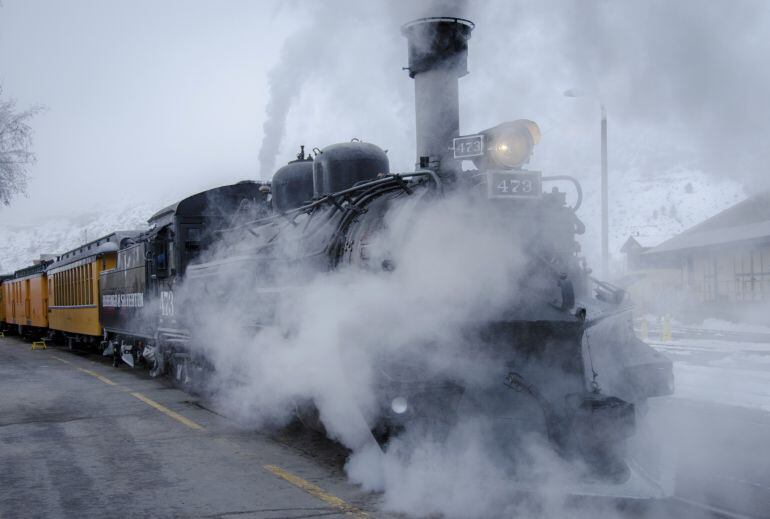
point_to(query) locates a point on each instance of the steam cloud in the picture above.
(695, 93)
(687, 66)
(684, 84)
(314, 52)
(333, 334)
(299, 59)
(330, 338)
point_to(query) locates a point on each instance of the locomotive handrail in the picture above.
(374, 183)
(608, 292)
(364, 192)
(332, 197)
(433, 175)
(364, 197)
(575, 182)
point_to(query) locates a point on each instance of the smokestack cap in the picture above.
(438, 43)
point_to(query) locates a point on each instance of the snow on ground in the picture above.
(729, 386)
(721, 372)
(722, 325)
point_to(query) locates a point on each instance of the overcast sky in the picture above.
(156, 100)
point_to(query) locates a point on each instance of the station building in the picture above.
(718, 268)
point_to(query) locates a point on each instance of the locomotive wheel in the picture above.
(158, 366)
(178, 369)
(116, 357)
(308, 415)
(186, 373)
(384, 432)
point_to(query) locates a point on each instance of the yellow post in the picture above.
(665, 334)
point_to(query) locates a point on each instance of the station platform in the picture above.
(79, 438)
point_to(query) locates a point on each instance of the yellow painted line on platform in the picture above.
(149, 401)
(316, 491)
(168, 412)
(88, 371)
(98, 376)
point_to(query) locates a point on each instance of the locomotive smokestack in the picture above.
(438, 57)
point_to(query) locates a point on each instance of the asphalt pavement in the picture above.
(716, 426)
(81, 439)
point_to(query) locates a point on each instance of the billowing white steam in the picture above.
(455, 262)
(452, 266)
(285, 81)
(318, 51)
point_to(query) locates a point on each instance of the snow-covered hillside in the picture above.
(659, 207)
(20, 244)
(652, 207)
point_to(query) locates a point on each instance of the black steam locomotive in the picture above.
(136, 303)
(563, 345)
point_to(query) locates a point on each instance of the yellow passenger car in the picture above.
(3, 280)
(73, 287)
(27, 295)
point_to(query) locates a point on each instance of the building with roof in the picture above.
(719, 268)
(653, 282)
(635, 248)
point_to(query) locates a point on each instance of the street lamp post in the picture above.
(605, 204)
(605, 208)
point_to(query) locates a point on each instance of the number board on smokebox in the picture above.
(514, 184)
(468, 146)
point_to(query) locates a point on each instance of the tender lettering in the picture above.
(123, 300)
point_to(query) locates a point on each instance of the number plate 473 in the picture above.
(514, 184)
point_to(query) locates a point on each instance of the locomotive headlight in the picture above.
(510, 144)
(399, 405)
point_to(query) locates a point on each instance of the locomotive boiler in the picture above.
(559, 357)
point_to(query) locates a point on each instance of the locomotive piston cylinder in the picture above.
(438, 57)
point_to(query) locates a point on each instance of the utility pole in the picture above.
(605, 211)
(605, 204)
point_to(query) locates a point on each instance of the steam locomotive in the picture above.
(564, 345)
(563, 358)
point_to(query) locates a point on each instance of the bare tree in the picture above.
(15, 148)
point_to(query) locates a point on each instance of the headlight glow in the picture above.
(510, 145)
(399, 405)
